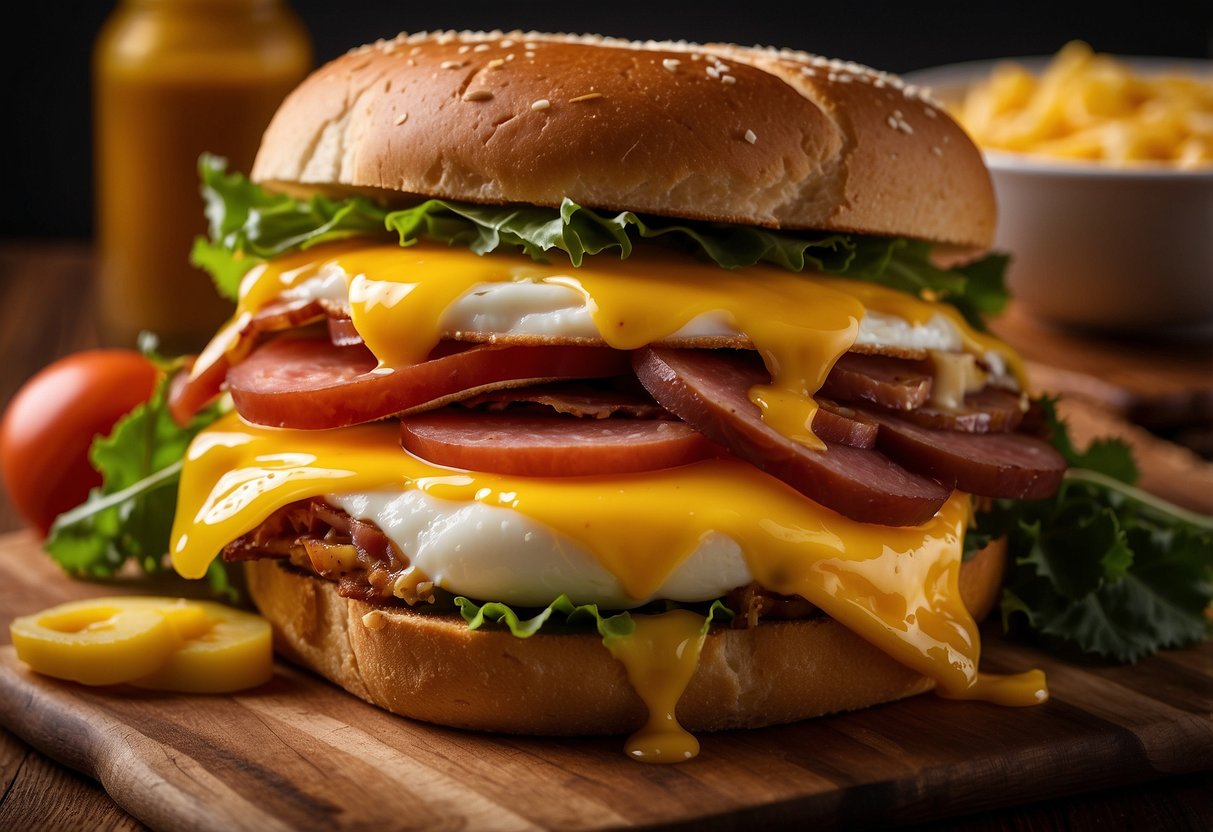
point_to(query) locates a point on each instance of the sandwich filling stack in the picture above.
(590, 386)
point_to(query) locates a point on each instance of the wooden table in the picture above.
(45, 312)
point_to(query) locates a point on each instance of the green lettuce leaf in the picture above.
(129, 517)
(249, 224)
(1110, 570)
(1110, 457)
(564, 612)
(1102, 567)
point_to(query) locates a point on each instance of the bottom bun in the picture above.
(433, 668)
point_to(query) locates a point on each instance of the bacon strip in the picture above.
(583, 400)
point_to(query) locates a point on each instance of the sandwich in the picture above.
(586, 386)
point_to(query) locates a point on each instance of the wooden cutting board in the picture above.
(300, 753)
(1161, 384)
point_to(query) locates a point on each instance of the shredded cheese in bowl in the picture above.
(1094, 107)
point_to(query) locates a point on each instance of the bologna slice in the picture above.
(307, 383)
(1008, 465)
(709, 389)
(894, 383)
(551, 445)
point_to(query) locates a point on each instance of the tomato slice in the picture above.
(307, 383)
(555, 445)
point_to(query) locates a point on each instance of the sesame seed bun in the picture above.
(715, 132)
(433, 668)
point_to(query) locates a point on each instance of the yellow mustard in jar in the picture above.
(173, 79)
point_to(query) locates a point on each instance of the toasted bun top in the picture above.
(715, 132)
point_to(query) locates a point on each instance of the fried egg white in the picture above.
(500, 554)
(555, 310)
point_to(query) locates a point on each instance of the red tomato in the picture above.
(52, 420)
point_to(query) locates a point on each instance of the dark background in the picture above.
(45, 59)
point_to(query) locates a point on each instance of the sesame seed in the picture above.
(480, 47)
(496, 63)
(373, 620)
(713, 72)
(587, 97)
(510, 57)
(451, 64)
(809, 71)
(727, 79)
(401, 119)
(930, 111)
(670, 63)
(695, 56)
(938, 151)
(507, 43)
(898, 122)
(541, 104)
(477, 95)
(528, 55)
(463, 50)
(750, 137)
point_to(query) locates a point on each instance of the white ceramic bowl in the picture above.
(1098, 246)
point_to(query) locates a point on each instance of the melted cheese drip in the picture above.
(1017, 690)
(660, 657)
(800, 324)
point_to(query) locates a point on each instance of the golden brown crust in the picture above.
(435, 669)
(715, 132)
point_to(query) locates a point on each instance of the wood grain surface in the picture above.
(1155, 382)
(299, 753)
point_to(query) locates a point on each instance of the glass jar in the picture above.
(172, 79)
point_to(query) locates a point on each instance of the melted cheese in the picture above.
(800, 324)
(660, 657)
(896, 587)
